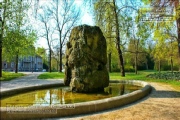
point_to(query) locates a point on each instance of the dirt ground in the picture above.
(162, 104)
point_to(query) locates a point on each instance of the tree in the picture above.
(18, 43)
(118, 40)
(165, 45)
(159, 52)
(42, 52)
(110, 15)
(173, 4)
(3, 17)
(55, 57)
(103, 18)
(44, 16)
(16, 38)
(177, 7)
(103, 7)
(65, 16)
(138, 54)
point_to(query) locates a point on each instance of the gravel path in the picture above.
(162, 104)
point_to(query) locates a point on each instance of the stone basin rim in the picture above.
(83, 107)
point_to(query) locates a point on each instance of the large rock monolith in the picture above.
(86, 58)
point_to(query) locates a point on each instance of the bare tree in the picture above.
(45, 18)
(66, 16)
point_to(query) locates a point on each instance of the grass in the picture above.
(6, 76)
(130, 75)
(113, 76)
(117, 76)
(142, 76)
(52, 75)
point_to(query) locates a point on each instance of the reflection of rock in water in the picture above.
(110, 90)
(86, 60)
(122, 89)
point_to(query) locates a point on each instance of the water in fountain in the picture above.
(63, 95)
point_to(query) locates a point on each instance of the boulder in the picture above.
(86, 58)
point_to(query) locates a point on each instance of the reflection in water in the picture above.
(62, 95)
(122, 89)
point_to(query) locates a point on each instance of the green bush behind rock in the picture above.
(165, 75)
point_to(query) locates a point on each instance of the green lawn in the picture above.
(142, 76)
(131, 75)
(9, 76)
(52, 75)
(113, 76)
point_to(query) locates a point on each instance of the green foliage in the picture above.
(146, 1)
(41, 52)
(129, 68)
(167, 67)
(136, 49)
(164, 35)
(165, 47)
(18, 39)
(115, 67)
(17, 42)
(6, 76)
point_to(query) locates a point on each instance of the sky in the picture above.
(86, 18)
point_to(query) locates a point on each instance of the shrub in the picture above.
(129, 68)
(166, 75)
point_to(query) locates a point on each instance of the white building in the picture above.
(30, 64)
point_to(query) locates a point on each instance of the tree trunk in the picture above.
(16, 64)
(2, 20)
(121, 62)
(60, 59)
(109, 62)
(147, 68)
(159, 66)
(57, 66)
(171, 65)
(176, 3)
(122, 88)
(178, 39)
(50, 60)
(1, 55)
(135, 63)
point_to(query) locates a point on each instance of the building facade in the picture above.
(29, 64)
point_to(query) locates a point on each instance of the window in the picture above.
(5, 65)
(12, 64)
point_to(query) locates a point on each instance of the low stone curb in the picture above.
(56, 111)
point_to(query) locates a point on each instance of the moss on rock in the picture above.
(85, 69)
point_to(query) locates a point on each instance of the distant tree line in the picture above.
(144, 44)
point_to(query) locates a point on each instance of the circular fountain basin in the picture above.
(29, 110)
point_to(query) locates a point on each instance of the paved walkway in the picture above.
(29, 80)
